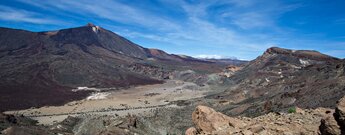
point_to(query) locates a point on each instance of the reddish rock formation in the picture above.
(208, 120)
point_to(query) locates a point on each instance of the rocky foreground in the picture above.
(302, 121)
(206, 120)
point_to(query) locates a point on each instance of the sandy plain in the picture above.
(140, 100)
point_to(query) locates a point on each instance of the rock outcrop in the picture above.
(81, 125)
(322, 121)
(340, 114)
(334, 124)
(208, 120)
(20, 125)
(329, 126)
(303, 121)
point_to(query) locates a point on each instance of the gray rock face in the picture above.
(329, 126)
(333, 124)
(340, 114)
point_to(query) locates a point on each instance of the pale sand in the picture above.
(136, 100)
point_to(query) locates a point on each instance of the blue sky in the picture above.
(207, 28)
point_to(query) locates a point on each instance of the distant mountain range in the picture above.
(40, 68)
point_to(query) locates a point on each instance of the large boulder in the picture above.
(208, 120)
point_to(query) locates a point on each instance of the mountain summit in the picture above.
(306, 54)
(95, 36)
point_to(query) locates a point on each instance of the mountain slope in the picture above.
(40, 68)
(92, 35)
(283, 78)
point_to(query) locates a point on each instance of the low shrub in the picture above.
(292, 110)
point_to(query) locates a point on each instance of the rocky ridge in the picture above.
(280, 79)
(323, 121)
(88, 124)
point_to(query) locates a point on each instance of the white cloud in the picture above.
(252, 20)
(214, 56)
(107, 9)
(242, 3)
(196, 29)
(18, 15)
